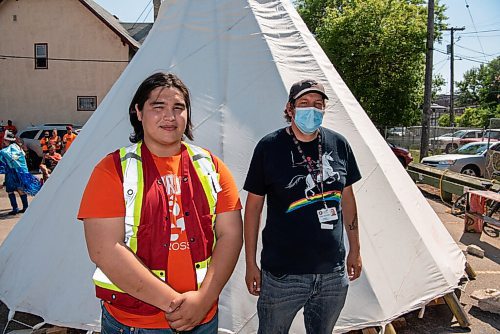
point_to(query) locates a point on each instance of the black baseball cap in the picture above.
(306, 86)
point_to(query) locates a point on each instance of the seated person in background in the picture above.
(49, 162)
(55, 141)
(45, 141)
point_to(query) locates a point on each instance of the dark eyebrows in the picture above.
(179, 104)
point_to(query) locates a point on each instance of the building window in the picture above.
(41, 56)
(86, 103)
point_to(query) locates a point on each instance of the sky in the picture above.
(479, 43)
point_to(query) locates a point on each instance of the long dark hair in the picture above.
(159, 79)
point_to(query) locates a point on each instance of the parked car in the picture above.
(398, 132)
(31, 137)
(469, 159)
(451, 142)
(403, 155)
(491, 135)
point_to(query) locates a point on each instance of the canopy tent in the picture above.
(239, 58)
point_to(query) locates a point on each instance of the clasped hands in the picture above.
(187, 310)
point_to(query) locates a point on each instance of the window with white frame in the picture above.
(86, 103)
(41, 56)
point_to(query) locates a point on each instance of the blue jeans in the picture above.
(321, 295)
(110, 325)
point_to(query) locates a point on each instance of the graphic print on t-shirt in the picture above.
(312, 182)
(178, 239)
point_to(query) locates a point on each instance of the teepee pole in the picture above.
(457, 309)
(389, 329)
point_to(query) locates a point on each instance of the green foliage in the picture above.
(378, 46)
(478, 117)
(437, 83)
(313, 11)
(480, 86)
(480, 91)
(444, 120)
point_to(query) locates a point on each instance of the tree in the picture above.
(480, 91)
(444, 120)
(378, 46)
(437, 83)
(478, 117)
(481, 85)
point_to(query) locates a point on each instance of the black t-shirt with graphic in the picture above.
(294, 240)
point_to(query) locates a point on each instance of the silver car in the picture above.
(469, 159)
(451, 141)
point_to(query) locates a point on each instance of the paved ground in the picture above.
(437, 319)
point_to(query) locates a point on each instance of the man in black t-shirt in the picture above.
(306, 172)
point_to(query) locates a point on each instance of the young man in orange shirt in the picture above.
(45, 142)
(152, 212)
(68, 139)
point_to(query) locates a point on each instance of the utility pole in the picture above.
(426, 113)
(452, 93)
(156, 5)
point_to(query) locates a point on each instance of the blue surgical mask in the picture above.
(308, 120)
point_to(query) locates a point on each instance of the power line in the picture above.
(482, 53)
(461, 57)
(475, 32)
(140, 15)
(482, 36)
(439, 62)
(441, 67)
(66, 59)
(441, 51)
(149, 12)
(475, 29)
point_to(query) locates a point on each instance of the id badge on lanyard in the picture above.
(327, 217)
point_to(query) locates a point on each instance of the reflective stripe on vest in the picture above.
(131, 162)
(133, 189)
(209, 178)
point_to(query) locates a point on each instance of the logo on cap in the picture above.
(306, 86)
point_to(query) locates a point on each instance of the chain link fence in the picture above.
(446, 140)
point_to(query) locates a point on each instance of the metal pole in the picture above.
(452, 88)
(452, 93)
(426, 113)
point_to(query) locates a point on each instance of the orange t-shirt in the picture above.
(103, 198)
(68, 139)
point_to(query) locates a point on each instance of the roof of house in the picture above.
(139, 31)
(110, 21)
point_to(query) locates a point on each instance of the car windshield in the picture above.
(492, 134)
(458, 134)
(472, 149)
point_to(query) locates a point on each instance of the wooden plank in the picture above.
(399, 323)
(470, 271)
(457, 309)
(389, 329)
(457, 178)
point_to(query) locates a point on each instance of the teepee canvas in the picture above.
(239, 58)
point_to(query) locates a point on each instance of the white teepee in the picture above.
(239, 58)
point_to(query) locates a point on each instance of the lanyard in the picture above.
(310, 163)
